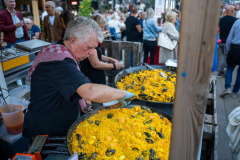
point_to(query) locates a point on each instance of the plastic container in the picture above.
(13, 118)
(20, 92)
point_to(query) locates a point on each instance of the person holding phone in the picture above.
(12, 25)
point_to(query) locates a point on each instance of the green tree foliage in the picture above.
(85, 8)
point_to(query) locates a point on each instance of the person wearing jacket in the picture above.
(169, 29)
(150, 34)
(12, 25)
(52, 28)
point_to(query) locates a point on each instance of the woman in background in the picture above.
(169, 29)
(65, 17)
(150, 34)
(93, 67)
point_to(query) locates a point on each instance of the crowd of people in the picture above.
(230, 47)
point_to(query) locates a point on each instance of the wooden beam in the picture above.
(35, 12)
(197, 42)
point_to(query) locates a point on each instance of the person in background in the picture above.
(142, 6)
(52, 29)
(110, 15)
(237, 11)
(93, 67)
(177, 24)
(150, 34)
(65, 18)
(233, 59)
(35, 31)
(123, 19)
(130, 7)
(159, 22)
(29, 27)
(142, 16)
(59, 9)
(12, 25)
(114, 23)
(57, 84)
(123, 5)
(133, 27)
(117, 6)
(225, 25)
(169, 29)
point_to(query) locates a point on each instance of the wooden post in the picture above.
(35, 12)
(43, 4)
(197, 42)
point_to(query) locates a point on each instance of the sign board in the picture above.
(110, 2)
(159, 7)
(74, 3)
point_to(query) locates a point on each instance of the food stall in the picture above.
(15, 63)
(192, 87)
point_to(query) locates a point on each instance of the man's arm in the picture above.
(100, 93)
(229, 38)
(4, 27)
(139, 28)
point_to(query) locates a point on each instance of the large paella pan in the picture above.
(91, 143)
(165, 86)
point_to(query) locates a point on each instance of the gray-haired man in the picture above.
(57, 84)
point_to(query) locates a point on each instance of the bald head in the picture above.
(230, 10)
(50, 8)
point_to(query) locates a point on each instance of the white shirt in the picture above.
(44, 14)
(19, 31)
(117, 6)
(51, 19)
(116, 15)
(238, 14)
(116, 24)
(142, 6)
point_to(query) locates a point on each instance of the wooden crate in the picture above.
(210, 130)
(121, 51)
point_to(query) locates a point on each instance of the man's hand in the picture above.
(19, 24)
(84, 105)
(128, 96)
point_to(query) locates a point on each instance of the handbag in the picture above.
(164, 41)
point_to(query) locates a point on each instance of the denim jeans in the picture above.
(149, 46)
(228, 78)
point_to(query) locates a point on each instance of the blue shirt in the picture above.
(141, 22)
(234, 35)
(150, 29)
(34, 29)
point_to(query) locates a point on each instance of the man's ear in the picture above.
(73, 40)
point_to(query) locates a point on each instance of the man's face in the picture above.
(11, 4)
(29, 25)
(49, 8)
(81, 51)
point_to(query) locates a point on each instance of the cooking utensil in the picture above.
(163, 106)
(162, 73)
(89, 114)
(116, 103)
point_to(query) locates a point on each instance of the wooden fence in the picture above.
(122, 52)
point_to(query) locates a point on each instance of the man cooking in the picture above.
(57, 84)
